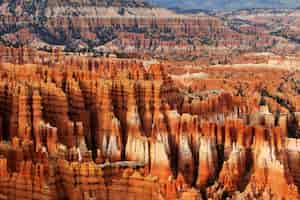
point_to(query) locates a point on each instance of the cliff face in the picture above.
(79, 127)
(128, 28)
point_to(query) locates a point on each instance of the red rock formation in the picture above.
(270, 177)
(109, 138)
(208, 162)
(94, 128)
(185, 163)
(160, 164)
(234, 169)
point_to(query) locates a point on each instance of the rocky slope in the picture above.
(129, 29)
(281, 22)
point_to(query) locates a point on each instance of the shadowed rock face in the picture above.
(79, 127)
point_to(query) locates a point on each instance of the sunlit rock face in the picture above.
(160, 162)
(270, 178)
(234, 169)
(208, 162)
(79, 127)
